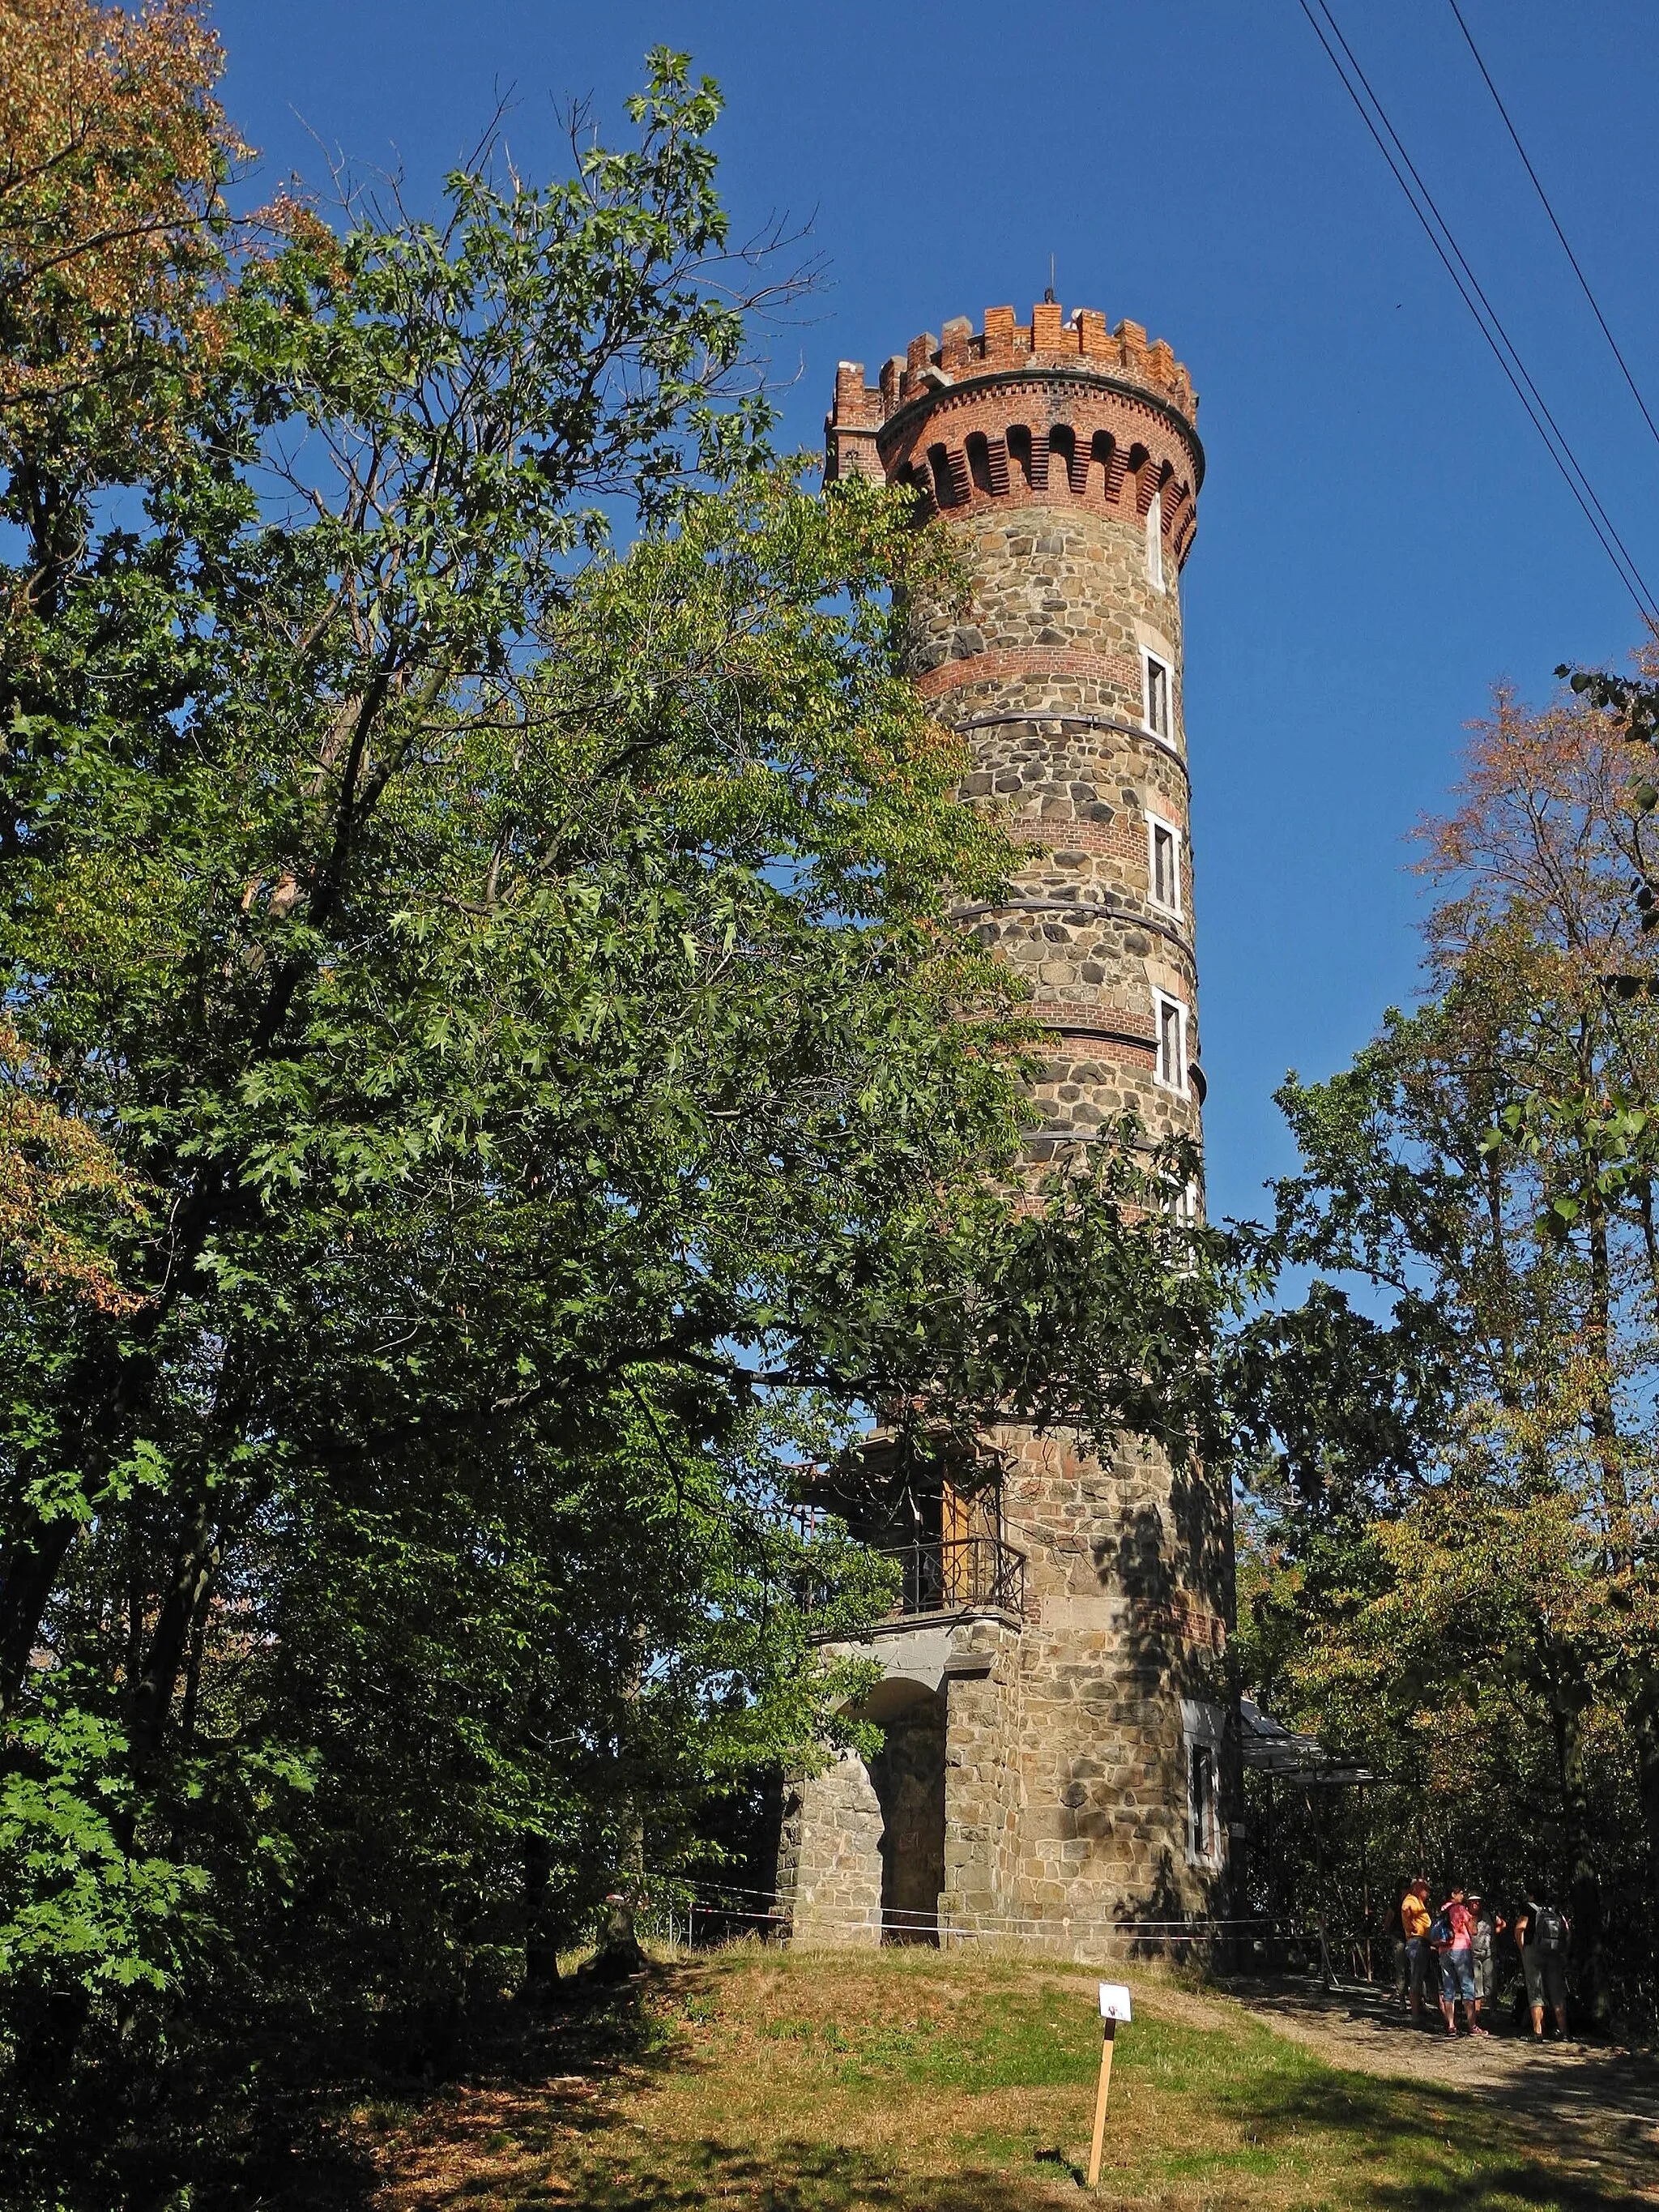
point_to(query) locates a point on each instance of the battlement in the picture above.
(1052, 340)
(957, 419)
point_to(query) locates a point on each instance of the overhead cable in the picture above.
(1554, 222)
(1440, 236)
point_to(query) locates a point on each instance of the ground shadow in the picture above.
(793, 2176)
(320, 2142)
(1432, 2136)
(1579, 2103)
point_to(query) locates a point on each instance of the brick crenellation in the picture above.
(1060, 408)
(1051, 339)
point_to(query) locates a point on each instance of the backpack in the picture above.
(1548, 1931)
(1440, 1934)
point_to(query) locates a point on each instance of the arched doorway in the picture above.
(909, 1777)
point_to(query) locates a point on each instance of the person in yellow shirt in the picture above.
(1415, 1920)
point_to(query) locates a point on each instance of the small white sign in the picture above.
(1114, 2000)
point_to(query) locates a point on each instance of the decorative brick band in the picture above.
(1125, 837)
(1120, 1046)
(1037, 440)
(1185, 1619)
(1065, 1013)
(1001, 662)
(1088, 1036)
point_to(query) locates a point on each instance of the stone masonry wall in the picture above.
(982, 1783)
(829, 1866)
(1126, 1577)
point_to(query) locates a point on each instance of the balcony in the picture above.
(958, 1574)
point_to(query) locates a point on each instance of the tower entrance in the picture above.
(907, 1775)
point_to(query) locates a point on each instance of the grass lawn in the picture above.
(821, 2082)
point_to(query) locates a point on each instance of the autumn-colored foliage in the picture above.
(54, 1171)
(112, 221)
(1547, 833)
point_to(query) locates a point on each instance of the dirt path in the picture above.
(1598, 2105)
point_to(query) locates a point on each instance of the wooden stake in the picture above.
(1100, 2103)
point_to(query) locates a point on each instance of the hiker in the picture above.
(1489, 1925)
(1414, 1917)
(1392, 1936)
(1541, 1931)
(1453, 1937)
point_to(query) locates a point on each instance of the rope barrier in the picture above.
(704, 1897)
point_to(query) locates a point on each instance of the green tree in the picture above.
(1482, 1600)
(510, 975)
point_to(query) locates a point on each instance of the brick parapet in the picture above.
(1051, 340)
(1058, 410)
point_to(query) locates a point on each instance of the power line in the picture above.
(1502, 345)
(1491, 327)
(1554, 220)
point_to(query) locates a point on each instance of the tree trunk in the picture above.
(1582, 1883)
(618, 1954)
(1646, 1726)
(193, 1671)
(541, 1948)
(187, 1590)
(31, 1574)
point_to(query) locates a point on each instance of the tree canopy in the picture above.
(1452, 1567)
(490, 1082)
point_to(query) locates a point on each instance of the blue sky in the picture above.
(1381, 535)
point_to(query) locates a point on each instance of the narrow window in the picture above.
(1171, 1017)
(1200, 1801)
(1155, 542)
(1157, 697)
(1203, 1728)
(1062, 448)
(1163, 864)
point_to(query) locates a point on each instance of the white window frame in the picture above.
(1186, 1213)
(1148, 661)
(1154, 823)
(1155, 543)
(1203, 1728)
(1164, 1002)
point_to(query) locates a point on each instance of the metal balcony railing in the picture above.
(943, 1575)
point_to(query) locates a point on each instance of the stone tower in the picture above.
(1057, 1727)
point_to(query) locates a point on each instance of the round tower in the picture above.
(1063, 459)
(1058, 1722)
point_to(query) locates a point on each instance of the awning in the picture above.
(1270, 1748)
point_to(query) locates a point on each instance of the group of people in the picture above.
(1457, 1947)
